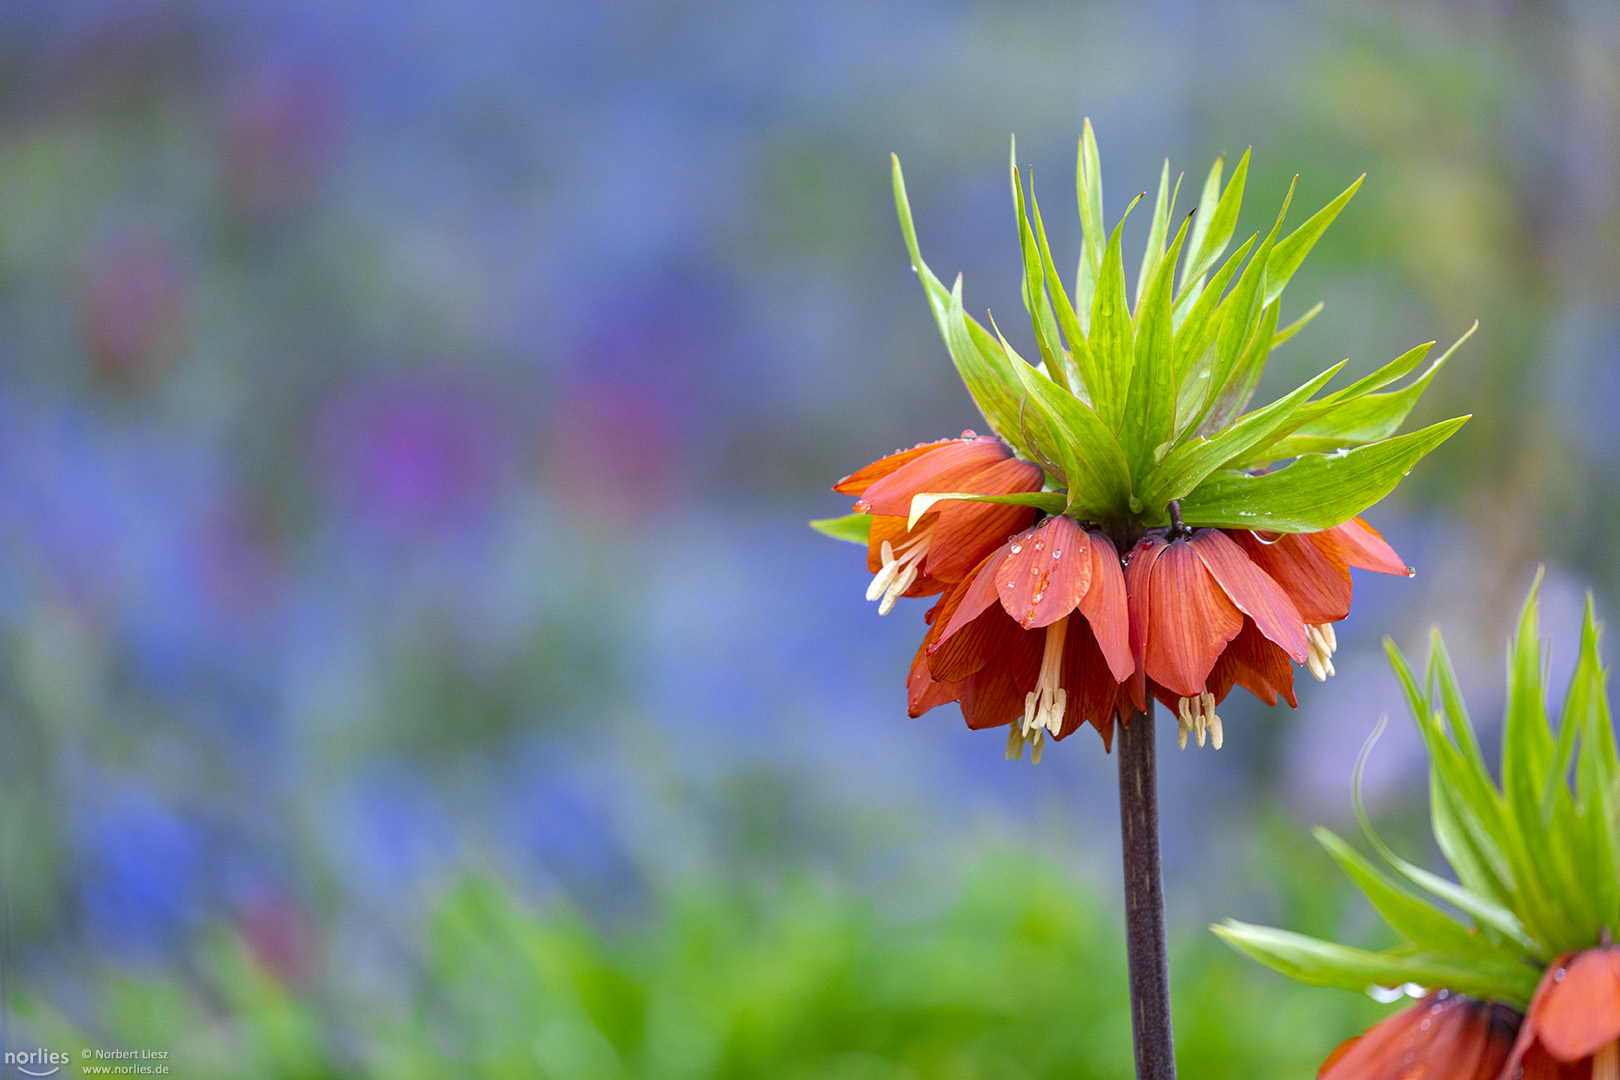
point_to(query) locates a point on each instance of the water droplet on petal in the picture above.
(1558, 975)
(1058, 554)
(1016, 548)
(1040, 545)
(1037, 597)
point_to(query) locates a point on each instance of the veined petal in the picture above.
(1045, 572)
(1363, 546)
(995, 695)
(949, 468)
(1190, 620)
(966, 600)
(1579, 1014)
(885, 528)
(923, 691)
(1253, 591)
(1317, 581)
(1138, 583)
(1089, 683)
(1105, 607)
(964, 531)
(1442, 1037)
(858, 481)
(1257, 665)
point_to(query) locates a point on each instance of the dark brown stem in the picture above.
(1144, 901)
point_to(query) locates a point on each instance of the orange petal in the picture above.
(923, 691)
(1190, 620)
(1438, 1038)
(995, 695)
(1363, 546)
(859, 480)
(1253, 591)
(966, 601)
(1105, 608)
(949, 468)
(1257, 665)
(968, 650)
(963, 532)
(1046, 571)
(1138, 580)
(1089, 683)
(1579, 1014)
(1317, 581)
(885, 527)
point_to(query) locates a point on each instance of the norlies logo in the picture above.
(37, 1062)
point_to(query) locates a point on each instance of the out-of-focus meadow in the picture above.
(415, 659)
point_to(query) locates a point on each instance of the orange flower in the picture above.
(950, 539)
(1004, 641)
(1442, 1037)
(1572, 1031)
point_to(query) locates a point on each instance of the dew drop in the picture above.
(1016, 548)
(1424, 1026)
(1058, 554)
(1037, 598)
(1558, 975)
(1040, 545)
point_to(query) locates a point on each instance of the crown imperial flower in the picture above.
(1228, 535)
(1535, 859)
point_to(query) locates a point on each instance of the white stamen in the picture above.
(1018, 738)
(1606, 1062)
(1197, 715)
(1324, 642)
(1044, 706)
(899, 570)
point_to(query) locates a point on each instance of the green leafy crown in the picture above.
(1535, 858)
(1130, 408)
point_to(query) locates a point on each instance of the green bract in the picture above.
(1535, 857)
(1129, 407)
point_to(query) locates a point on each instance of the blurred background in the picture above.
(415, 659)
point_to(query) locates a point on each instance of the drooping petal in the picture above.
(1190, 620)
(1138, 582)
(1089, 683)
(1442, 1037)
(858, 481)
(950, 468)
(885, 528)
(966, 600)
(1363, 546)
(1045, 573)
(1257, 665)
(1318, 582)
(964, 531)
(1253, 591)
(995, 695)
(923, 691)
(1105, 608)
(1578, 1014)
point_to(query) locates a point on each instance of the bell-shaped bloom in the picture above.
(1035, 637)
(923, 558)
(1442, 1037)
(1211, 609)
(1572, 1031)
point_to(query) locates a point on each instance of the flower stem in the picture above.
(1144, 901)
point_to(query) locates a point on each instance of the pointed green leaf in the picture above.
(1099, 478)
(1112, 337)
(1150, 407)
(1296, 326)
(1088, 189)
(1291, 251)
(1317, 491)
(1424, 925)
(1234, 397)
(1081, 368)
(1324, 963)
(1050, 502)
(1218, 233)
(856, 528)
(1195, 340)
(1164, 206)
(1189, 464)
(1036, 303)
(1203, 212)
